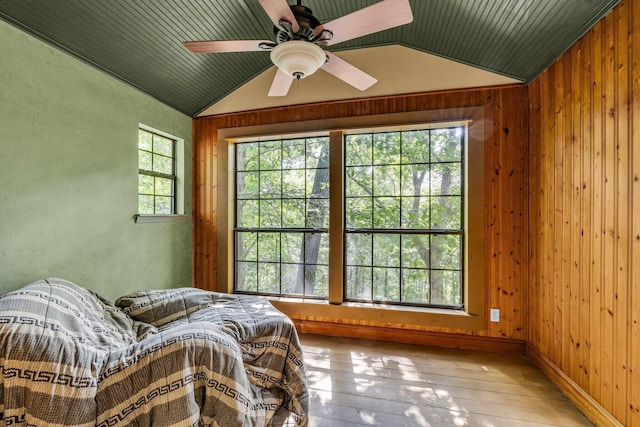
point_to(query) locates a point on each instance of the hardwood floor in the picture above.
(360, 382)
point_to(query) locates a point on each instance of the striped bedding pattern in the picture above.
(179, 357)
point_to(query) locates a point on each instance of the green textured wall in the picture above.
(68, 176)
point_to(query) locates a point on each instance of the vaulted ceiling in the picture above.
(139, 41)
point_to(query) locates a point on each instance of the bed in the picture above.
(179, 357)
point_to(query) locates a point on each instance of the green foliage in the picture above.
(395, 182)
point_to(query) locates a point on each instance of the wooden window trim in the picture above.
(474, 317)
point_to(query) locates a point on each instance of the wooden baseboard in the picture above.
(436, 339)
(587, 404)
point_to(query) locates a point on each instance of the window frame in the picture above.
(473, 317)
(401, 231)
(177, 177)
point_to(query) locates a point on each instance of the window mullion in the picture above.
(336, 217)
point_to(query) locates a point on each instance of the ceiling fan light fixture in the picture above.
(297, 58)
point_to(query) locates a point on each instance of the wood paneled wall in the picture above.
(584, 214)
(504, 186)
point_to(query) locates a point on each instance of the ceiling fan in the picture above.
(297, 51)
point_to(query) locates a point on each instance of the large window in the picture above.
(282, 217)
(404, 217)
(403, 209)
(156, 174)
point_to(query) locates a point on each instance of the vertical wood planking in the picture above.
(586, 211)
(633, 394)
(609, 214)
(576, 278)
(620, 295)
(587, 150)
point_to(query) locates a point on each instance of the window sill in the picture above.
(159, 218)
(379, 313)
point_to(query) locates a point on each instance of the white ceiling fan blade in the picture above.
(377, 17)
(279, 9)
(348, 73)
(220, 46)
(281, 84)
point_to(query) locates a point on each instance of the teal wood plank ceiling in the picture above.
(139, 41)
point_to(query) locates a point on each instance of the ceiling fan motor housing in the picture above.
(306, 21)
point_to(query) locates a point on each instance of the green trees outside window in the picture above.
(403, 217)
(282, 217)
(156, 174)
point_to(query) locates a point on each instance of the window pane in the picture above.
(247, 156)
(317, 153)
(247, 246)
(386, 212)
(415, 213)
(446, 213)
(445, 287)
(293, 213)
(248, 213)
(270, 155)
(145, 204)
(144, 140)
(446, 145)
(318, 183)
(316, 247)
(268, 277)
(415, 180)
(144, 160)
(359, 282)
(446, 179)
(293, 154)
(270, 213)
(164, 205)
(359, 181)
(359, 213)
(293, 183)
(318, 213)
(247, 185)
(145, 184)
(316, 281)
(415, 147)
(386, 284)
(386, 180)
(415, 286)
(162, 164)
(386, 250)
(289, 276)
(247, 276)
(359, 249)
(415, 251)
(445, 252)
(270, 184)
(269, 247)
(386, 148)
(162, 146)
(291, 247)
(359, 149)
(164, 186)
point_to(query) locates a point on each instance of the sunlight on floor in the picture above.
(361, 383)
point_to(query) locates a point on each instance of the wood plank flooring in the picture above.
(357, 382)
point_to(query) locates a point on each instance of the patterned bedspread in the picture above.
(180, 357)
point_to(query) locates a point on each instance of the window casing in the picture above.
(385, 215)
(157, 174)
